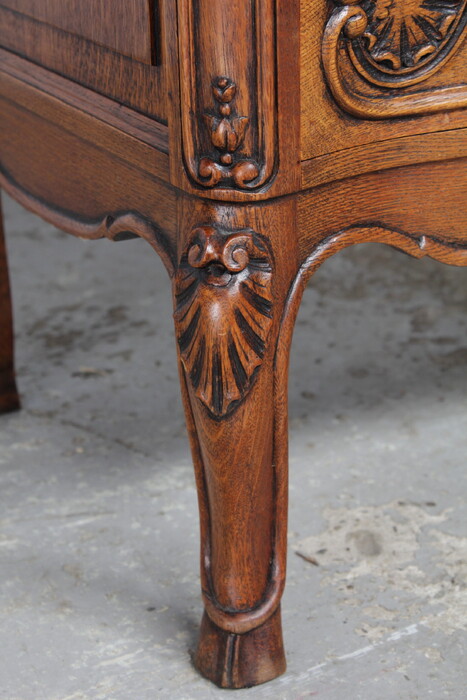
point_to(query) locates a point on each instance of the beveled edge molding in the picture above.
(223, 313)
(349, 21)
(224, 164)
(117, 226)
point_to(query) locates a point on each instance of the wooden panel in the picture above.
(219, 82)
(383, 155)
(126, 27)
(395, 199)
(346, 102)
(75, 178)
(133, 137)
(130, 82)
(238, 71)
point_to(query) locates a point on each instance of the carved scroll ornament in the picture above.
(393, 44)
(223, 313)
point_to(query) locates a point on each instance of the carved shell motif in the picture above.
(223, 313)
(404, 36)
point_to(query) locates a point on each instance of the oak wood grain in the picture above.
(31, 145)
(326, 127)
(131, 35)
(382, 155)
(241, 456)
(65, 92)
(242, 162)
(426, 199)
(131, 83)
(256, 106)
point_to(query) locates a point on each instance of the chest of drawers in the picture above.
(246, 142)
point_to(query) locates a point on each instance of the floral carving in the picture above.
(223, 313)
(401, 34)
(393, 44)
(227, 131)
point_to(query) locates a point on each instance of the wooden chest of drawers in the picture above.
(246, 142)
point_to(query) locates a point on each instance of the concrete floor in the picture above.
(99, 594)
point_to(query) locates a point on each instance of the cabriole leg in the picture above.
(230, 294)
(9, 400)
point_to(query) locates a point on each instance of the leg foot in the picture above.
(9, 399)
(241, 660)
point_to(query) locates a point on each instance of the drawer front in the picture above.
(110, 47)
(379, 69)
(125, 27)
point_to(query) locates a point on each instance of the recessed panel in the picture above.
(123, 26)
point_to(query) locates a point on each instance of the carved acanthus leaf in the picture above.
(223, 313)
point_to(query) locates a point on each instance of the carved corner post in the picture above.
(9, 399)
(235, 126)
(230, 292)
(234, 142)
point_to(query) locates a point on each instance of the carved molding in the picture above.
(223, 313)
(393, 44)
(117, 226)
(234, 146)
(448, 252)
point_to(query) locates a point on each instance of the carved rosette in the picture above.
(403, 34)
(403, 38)
(223, 313)
(392, 44)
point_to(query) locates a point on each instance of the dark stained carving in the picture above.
(227, 132)
(223, 313)
(393, 44)
(403, 36)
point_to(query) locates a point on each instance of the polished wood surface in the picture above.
(363, 111)
(130, 82)
(131, 35)
(267, 137)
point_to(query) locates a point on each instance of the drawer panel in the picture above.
(127, 80)
(379, 69)
(126, 27)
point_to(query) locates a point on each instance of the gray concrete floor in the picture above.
(99, 594)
